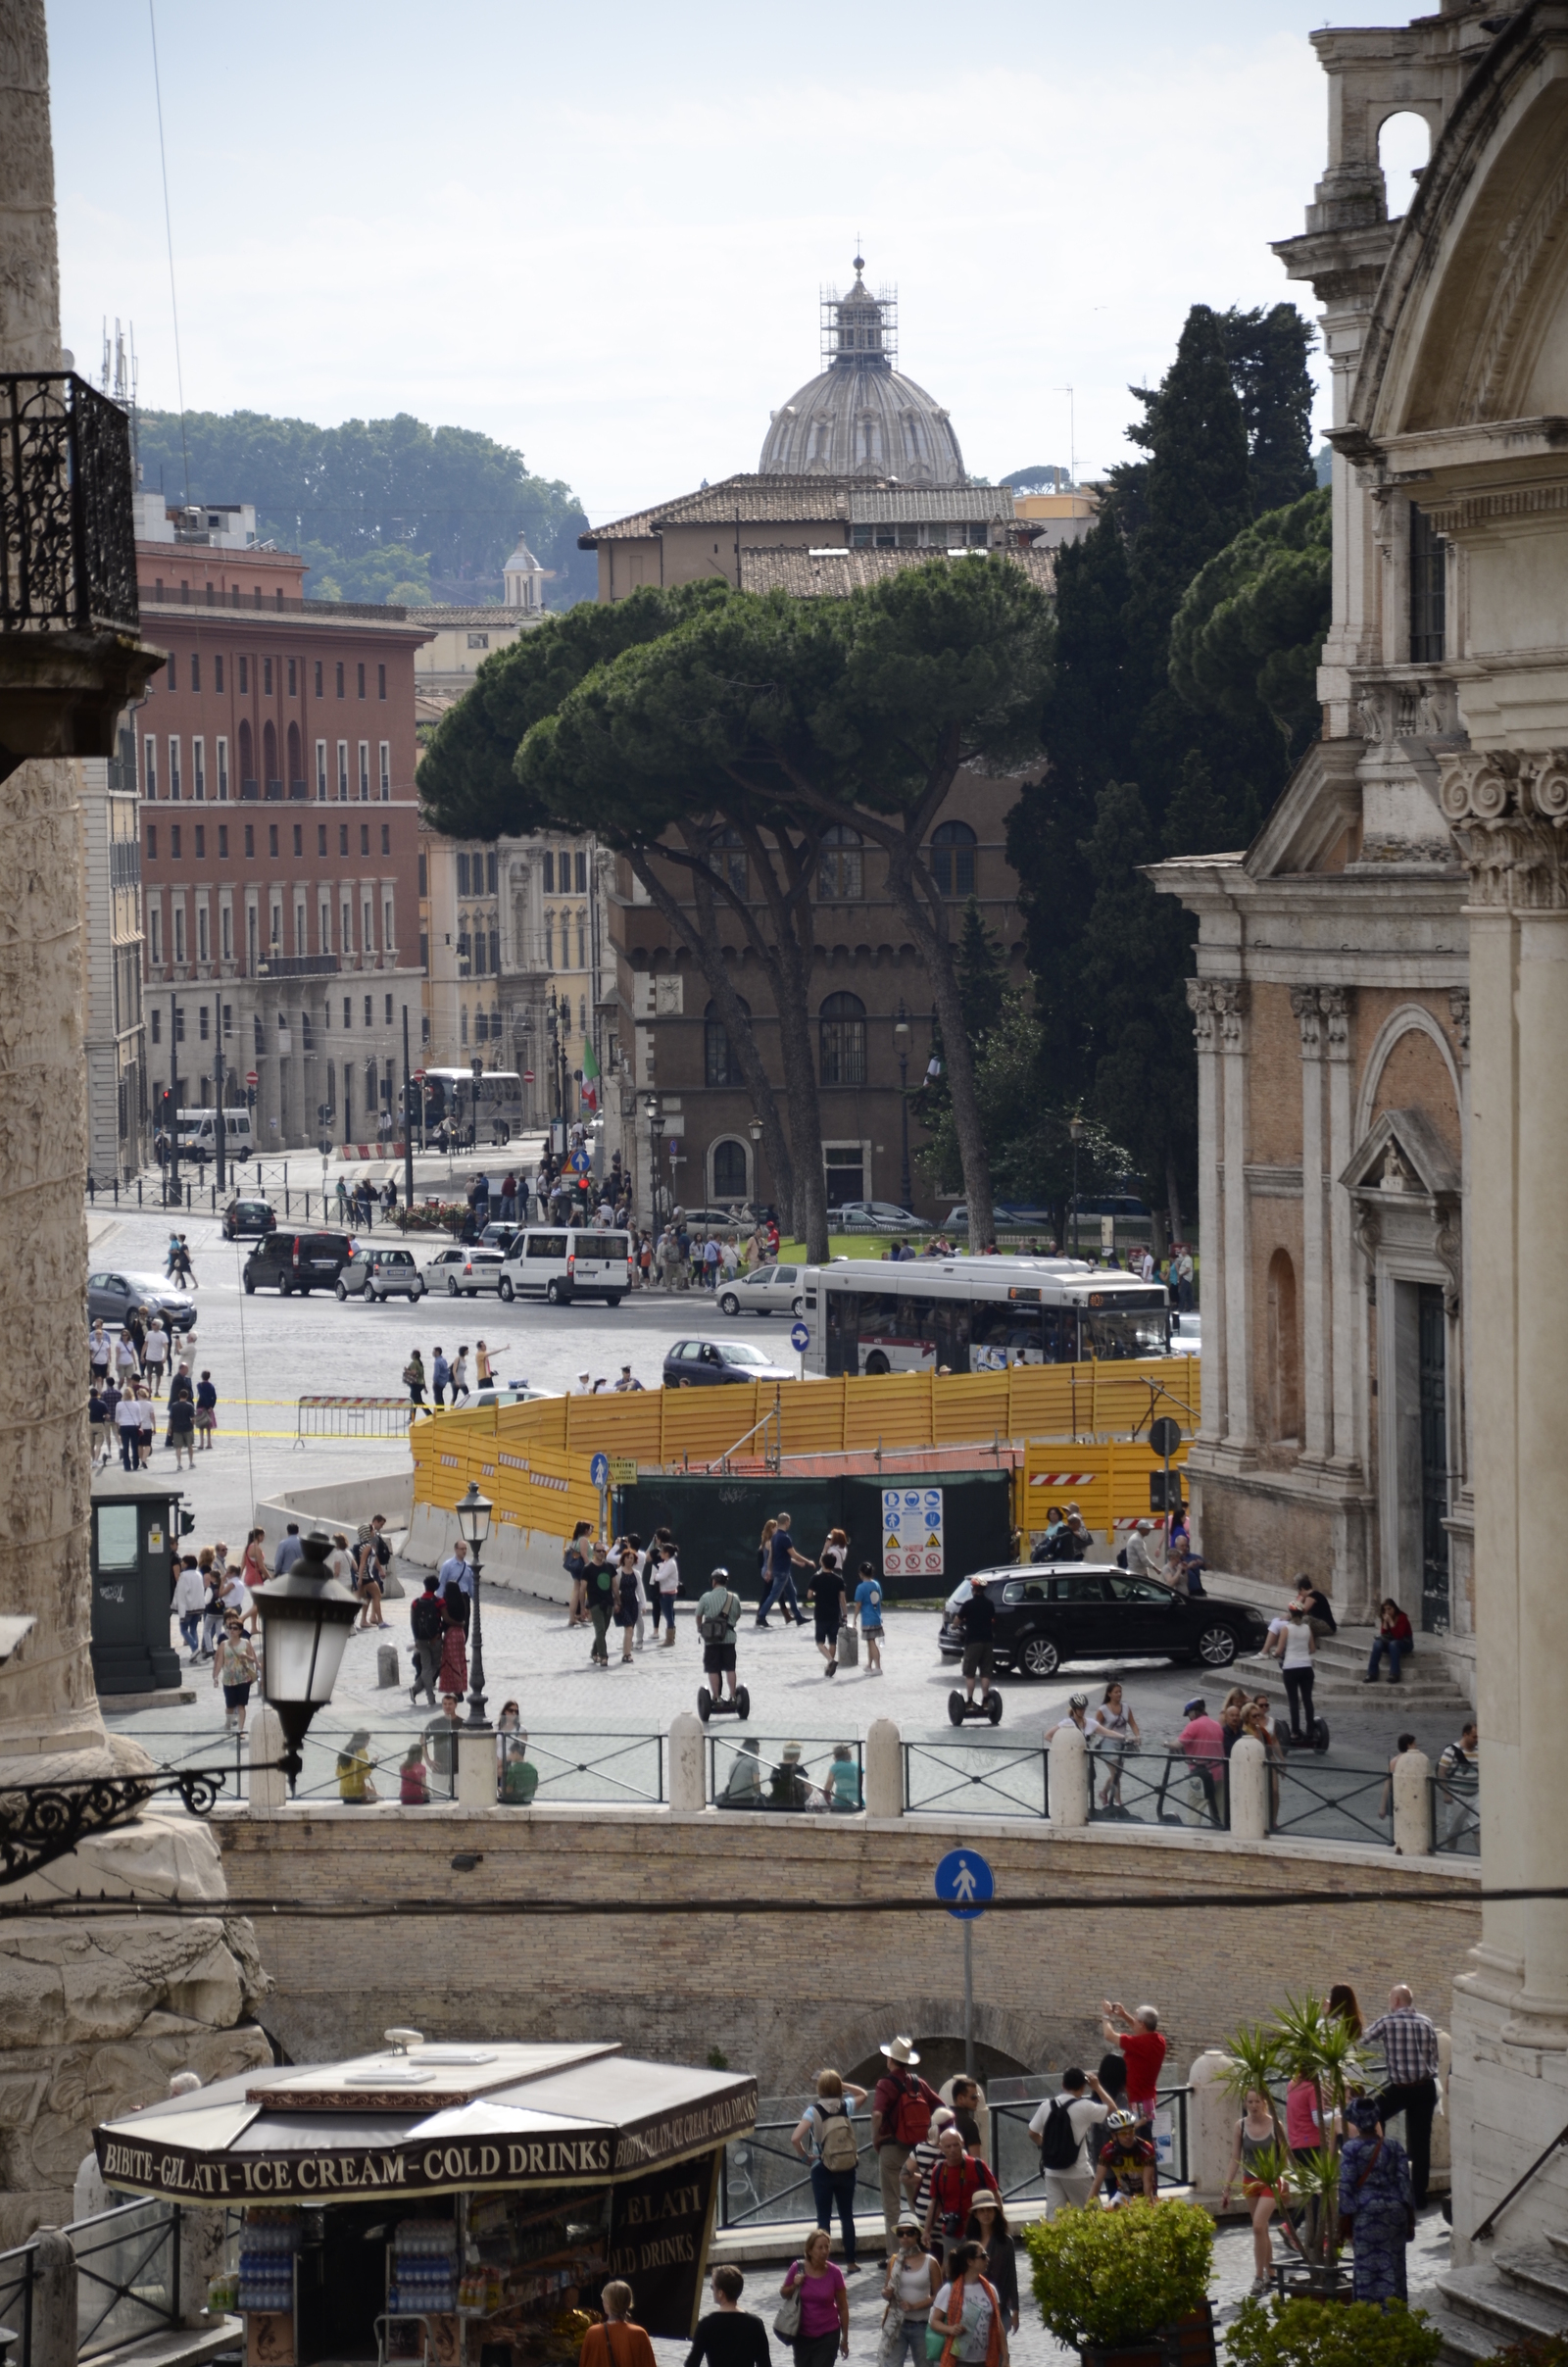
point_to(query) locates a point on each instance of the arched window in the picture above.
(1284, 1348)
(840, 871)
(729, 857)
(463, 1025)
(953, 858)
(719, 1064)
(729, 1171)
(481, 1027)
(296, 759)
(842, 1019)
(269, 753)
(247, 759)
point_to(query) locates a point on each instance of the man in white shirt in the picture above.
(455, 1570)
(1085, 2104)
(1143, 1558)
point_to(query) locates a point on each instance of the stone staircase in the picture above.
(1515, 2297)
(1426, 1680)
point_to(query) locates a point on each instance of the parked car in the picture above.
(499, 1237)
(297, 1261)
(116, 1293)
(718, 1221)
(700, 1363)
(875, 1216)
(771, 1289)
(251, 1217)
(373, 1272)
(1047, 1616)
(1011, 1216)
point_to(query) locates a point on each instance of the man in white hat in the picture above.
(1143, 1556)
(901, 2105)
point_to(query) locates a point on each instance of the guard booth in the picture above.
(922, 1531)
(135, 1526)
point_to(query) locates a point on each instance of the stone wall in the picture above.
(780, 1997)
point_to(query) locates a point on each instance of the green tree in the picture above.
(1246, 641)
(1268, 353)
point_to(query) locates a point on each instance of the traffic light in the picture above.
(250, 1097)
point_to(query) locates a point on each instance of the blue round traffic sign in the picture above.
(581, 1162)
(599, 1470)
(800, 1339)
(966, 1883)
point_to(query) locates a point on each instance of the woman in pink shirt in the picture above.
(824, 2305)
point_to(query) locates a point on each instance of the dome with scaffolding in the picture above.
(861, 418)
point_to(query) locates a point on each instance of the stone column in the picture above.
(884, 1769)
(1344, 1382)
(1248, 1789)
(1412, 1804)
(1067, 1777)
(1230, 1004)
(1316, 1359)
(1211, 1249)
(47, 1697)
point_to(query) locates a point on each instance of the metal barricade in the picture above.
(351, 1417)
(1313, 1801)
(127, 2274)
(170, 1748)
(750, 1772)
(1455, 1815)
(1155, 1788)
(980, 1779)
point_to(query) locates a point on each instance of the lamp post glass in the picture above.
(306, 1617)
(473, 1527)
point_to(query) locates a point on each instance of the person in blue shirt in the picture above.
(868, 1605)
(440, 1375)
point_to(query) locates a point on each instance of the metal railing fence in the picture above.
(353, 1417)
(68, 535)
(589, 1768)
(750, 1772)
(1313, 1801)
(1456, 1816)
(18, 2270)
(1155, 1788)
(982, 1779)
(127, 2274)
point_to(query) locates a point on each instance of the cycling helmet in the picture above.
(1078, 1701)
(713, 1576)
(1121, 2120)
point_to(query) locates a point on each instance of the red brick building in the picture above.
(275, 757)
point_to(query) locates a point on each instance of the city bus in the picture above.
(449, 1101)
(978, 1314)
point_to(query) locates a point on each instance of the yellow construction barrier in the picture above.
(1108, 1481)
(533, 1460)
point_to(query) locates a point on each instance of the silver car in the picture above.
(377, 1273)
(114, 1293)
(463, 1271)
(773, 1290)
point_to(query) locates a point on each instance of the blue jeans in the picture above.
(664, 1608)
(832, 2186)
(911, 2340)
(782, 1591)
(1394, 1650)
(190, 1627)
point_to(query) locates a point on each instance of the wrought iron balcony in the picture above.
(298, 966)
(67, 547)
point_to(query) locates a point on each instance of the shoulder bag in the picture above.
(787, 2316)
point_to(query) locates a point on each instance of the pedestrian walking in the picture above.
(182, 1421)
(665, 1588)
(206, 1412)
(628, 1599)
(967, 2313)
(440, 1375)
(824, 2137)
(98, 1350)
(184, 1271)
(1459, 1783)
(190, 1594)
(146, 1426)
(1254, 2159)
(824, 2305)
(780, 1559)
(1114, 1732)
(1409, 2044)
(1062, 2129)
(718, 1615)
(483, 1369)
(1141, 2042)
(98, 1424)
(918, 2171)
(460, 1374)
(1378, 2202)
(427, 1624)
(729, 2336)
(367, 1585)
(253, 1568)
(236, 1668)
(958, 2177)
(1293, 1647)
(913, 2280)
(1202, 1743)
(630, 2346)
(988, 2226)
(155, 1355)
(901, 2107)
(868, 1611)
(454, 1668)
(413, 1378)
(827, 1591)
(574, 1561)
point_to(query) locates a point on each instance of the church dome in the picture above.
(861, 418)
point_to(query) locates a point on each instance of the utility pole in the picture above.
(219, 1069)
(173, 1101)
(408, 1118)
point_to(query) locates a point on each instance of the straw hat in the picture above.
(900, 2050)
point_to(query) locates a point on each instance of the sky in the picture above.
(600, 233)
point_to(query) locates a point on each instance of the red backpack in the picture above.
(911, 2114)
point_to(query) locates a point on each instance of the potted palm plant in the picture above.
(1128, 2288)
(1306, 2043)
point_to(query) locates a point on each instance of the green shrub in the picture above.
(1112, 2276)
(1327, 2334)
(1554, 2352)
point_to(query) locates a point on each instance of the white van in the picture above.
(198, 1133)
(561, 1262)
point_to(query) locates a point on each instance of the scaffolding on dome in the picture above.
(858, 328)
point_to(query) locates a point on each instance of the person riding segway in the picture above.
(978, 1618)
(718, 1613)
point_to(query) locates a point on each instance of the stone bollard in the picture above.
(1068, 1777)
(201, 2257)
(1412, 1804)
(386, 1666)
(884, 1769)
(1211, 2114)
(267, 1787)
(687, 1773)
(54, 2301)
(1248, 1788)
(476, 1767)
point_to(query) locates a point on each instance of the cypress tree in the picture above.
(1268, 353)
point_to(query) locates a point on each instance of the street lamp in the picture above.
(306, 1617)
(1075, 1128)
(651, 1112)
(901, 1037)
(473, 1526)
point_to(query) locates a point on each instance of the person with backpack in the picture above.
(574, 1561)
(426, 1621)
(1059, 2129)
(719, 1614)
(825, 2137)
(901, 2105)
(958, 2177)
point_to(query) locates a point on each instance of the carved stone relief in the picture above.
(1509, 814)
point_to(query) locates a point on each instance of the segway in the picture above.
(1317, 1741)
(988, 1707)
(719, 1704)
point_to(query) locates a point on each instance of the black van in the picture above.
(288, 1262)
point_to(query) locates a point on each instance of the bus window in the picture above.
(1003, 1334)
(1142, 1331)
(1060, 1334)
(842, 1310)
(950, 1329)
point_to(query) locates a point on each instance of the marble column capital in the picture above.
(1508, 811)
(1310, 1018)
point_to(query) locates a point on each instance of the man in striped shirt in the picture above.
(1409, 2043)
(917, 2175)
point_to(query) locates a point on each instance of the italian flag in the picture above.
(590, 1077)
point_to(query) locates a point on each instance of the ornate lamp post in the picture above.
(1075, 1128)
(901, 1037)
(473, 1526)
(306, 1617)
(754, 1130)
(651, 1112)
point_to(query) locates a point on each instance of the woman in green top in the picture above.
(842, 1785)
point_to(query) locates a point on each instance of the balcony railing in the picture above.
(299, 965)
(67, 548)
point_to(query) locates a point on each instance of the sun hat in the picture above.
(900, 2050)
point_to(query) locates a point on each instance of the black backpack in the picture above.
(1058, 2148)
(426, 1618)
(716, 1627)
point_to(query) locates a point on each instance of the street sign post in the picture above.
(599, 1473)
(1166, 1436)
(966, 1883)
(799, 1341)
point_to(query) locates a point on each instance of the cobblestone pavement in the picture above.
(1031, 2346)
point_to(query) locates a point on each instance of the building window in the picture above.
(389, 1011)
(156, 916)
(321, 838)
(318, 677)
(1429, 601)
(549, 940)
(257, 1039)
(171, 683)
(225, 921)
(293, 670)
(342, 838)
(267, 677)
(348, 1013)
(151, 842)
(222, 840)
(306, 1032)
(348, 928)
(368, 1021)
(201, 842)
(463, 875)
(244, 675)
(203, 1023)
(495, 948)
(424, 1027)
(550, 873)
(272, 838)
(386, 770)
(195, 671)
(478, 641)
(198, 769)
(157, 1015)
(175, 849)
(424, 874)
(490, 873)
(179, 930)
(386, 838)
(1284, 1348)
(365, 772)
(299, 838)
(150, 776)
(340, 677)
(320, 771)
(719, 1064)
(250, 838)
(203, 952)
(218, 670)
(953, 846)
(463, 1025)
(342, 772)
(729, 860)
(843, 1032)
(364, 838)
(173, 770)
(277, 925)
(582, 943)
(582, 874)
(361, 672)
(729, 1171)
(223, 772)
(380, 682)
(840, 871)
(325, 918)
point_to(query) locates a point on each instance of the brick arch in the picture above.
(1409, 1019)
